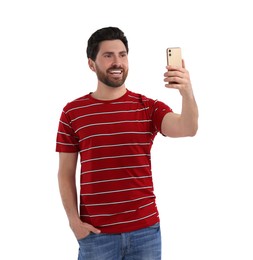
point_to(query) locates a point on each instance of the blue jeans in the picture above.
(143, 244)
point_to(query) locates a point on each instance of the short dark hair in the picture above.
(104, 34)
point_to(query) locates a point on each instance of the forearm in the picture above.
(68, 193)
(189, 115)
(186, 123)
(67, 186)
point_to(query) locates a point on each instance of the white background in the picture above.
(203, 184)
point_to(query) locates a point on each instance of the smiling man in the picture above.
(113, 61)
(112, 129)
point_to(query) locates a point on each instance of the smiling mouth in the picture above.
(115, 71)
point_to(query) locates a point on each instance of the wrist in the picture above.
(188, 95)
(74, 220)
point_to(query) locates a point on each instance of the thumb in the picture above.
(183, 63)
(91, 228)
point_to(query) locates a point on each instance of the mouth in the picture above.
(115, 71)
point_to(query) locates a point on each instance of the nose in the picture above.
(116, 61)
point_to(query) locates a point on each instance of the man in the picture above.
(112, 129)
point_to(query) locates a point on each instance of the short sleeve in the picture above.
(66, 140)
(159, 110)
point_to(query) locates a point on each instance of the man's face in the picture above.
(111, 64)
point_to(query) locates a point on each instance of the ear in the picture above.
(91, 64)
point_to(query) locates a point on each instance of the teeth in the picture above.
(115, 71)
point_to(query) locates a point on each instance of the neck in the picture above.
(109, 93)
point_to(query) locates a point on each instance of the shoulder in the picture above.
(78, 102)
(140, 97)
(151, 103)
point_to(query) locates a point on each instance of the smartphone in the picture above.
(174, 56)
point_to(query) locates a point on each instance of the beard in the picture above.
(105, 77)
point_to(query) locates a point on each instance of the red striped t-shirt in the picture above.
(114, 139)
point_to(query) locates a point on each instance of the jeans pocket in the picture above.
(83, 238)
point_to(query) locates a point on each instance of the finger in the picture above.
(175, 73)
(173, 86)
(183, 63)
(91, 228)
(172, 68)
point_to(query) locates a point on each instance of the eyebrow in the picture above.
(111, 52)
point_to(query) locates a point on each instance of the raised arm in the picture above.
(186, 123)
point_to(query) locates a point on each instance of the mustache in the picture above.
(116, 67)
